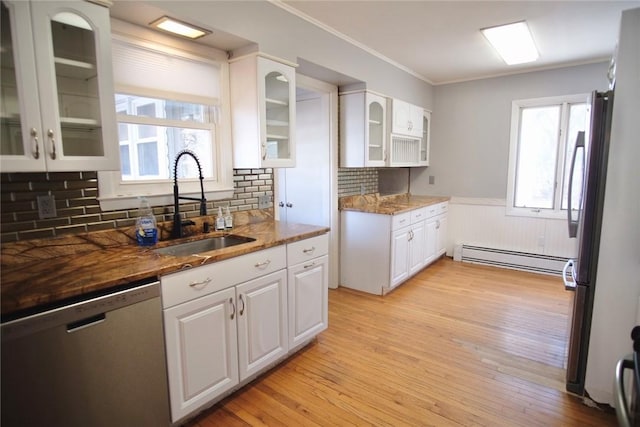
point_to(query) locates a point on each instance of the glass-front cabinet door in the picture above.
(277, 125)
(20, 127)
(376, 133)
(425, 142)
(72, 124)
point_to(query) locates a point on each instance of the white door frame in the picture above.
(330, 91)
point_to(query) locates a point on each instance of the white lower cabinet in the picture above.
(228, 321)
(308, 283)
(441, 227)
(407, 248)
(262, 322)
(202, 351)
(400, 256)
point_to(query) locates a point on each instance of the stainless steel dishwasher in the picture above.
(97, 362)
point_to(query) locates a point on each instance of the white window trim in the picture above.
(115, 194)
(516, 105)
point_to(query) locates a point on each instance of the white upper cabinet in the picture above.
(425, 143)
(363, 130)
(407, 119)
(61, 117)
(263, 112)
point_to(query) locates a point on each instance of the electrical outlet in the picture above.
(432, 179)
(263, 201)
(46, 207)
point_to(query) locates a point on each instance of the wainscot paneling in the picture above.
(484, 222)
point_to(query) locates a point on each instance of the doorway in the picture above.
(308, 193)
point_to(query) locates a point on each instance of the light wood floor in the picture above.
(458, 344)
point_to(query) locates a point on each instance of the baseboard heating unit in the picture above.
(546, 264)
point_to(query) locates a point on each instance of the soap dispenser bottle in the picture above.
(219, 220)
(228, 219)
(146, 230)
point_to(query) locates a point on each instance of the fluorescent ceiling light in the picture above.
(513, 42)
(178, 27)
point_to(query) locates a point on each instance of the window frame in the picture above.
(565, 101)
(117, 194)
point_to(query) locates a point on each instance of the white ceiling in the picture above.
(440, 41)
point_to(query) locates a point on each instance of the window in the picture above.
(543, 134)
(152, 131)
(169, 97)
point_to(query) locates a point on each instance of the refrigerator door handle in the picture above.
(569, 285)
(622, 406)
(573, 225)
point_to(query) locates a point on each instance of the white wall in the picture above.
(615, 307)
(470, 156)
(279, 33)
(470, 127)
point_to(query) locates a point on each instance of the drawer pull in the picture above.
(233, 308)
(200, 285)
(402, 220)
(306, 251)
(262, 264)
(313, 264)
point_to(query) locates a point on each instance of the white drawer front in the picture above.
(401, 220)
(432, 211)
(306, 249)
(195, 282)
(418, 215)
(443, 208)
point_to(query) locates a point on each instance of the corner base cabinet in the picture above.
(379, 252)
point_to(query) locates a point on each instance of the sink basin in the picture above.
(205, 245)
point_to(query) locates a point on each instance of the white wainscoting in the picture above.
(484, 223)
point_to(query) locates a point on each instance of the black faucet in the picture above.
(176, 231)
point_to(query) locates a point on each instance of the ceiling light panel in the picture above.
(180, 28)
(513, 42)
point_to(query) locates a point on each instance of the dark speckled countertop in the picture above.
(388, 205)
(47, 272)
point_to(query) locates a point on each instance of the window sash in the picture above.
(562, 149)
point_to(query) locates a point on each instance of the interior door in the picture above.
(305, 191)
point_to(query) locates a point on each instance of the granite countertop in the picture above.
(38, 274)
(389, 204)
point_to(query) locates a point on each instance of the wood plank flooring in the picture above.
(458, 344)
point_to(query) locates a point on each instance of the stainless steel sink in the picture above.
(205, 245)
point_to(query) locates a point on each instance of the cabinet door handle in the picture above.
(289, 205)
(233, 308)
(34, 135)
(262, 264)
(242, 309)
(310, 250)
(264, 152)
(53, 144)
(200, 285)
(313, 264)
(437, 224)
(281, 204)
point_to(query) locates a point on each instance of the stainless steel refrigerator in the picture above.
(586, 199)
